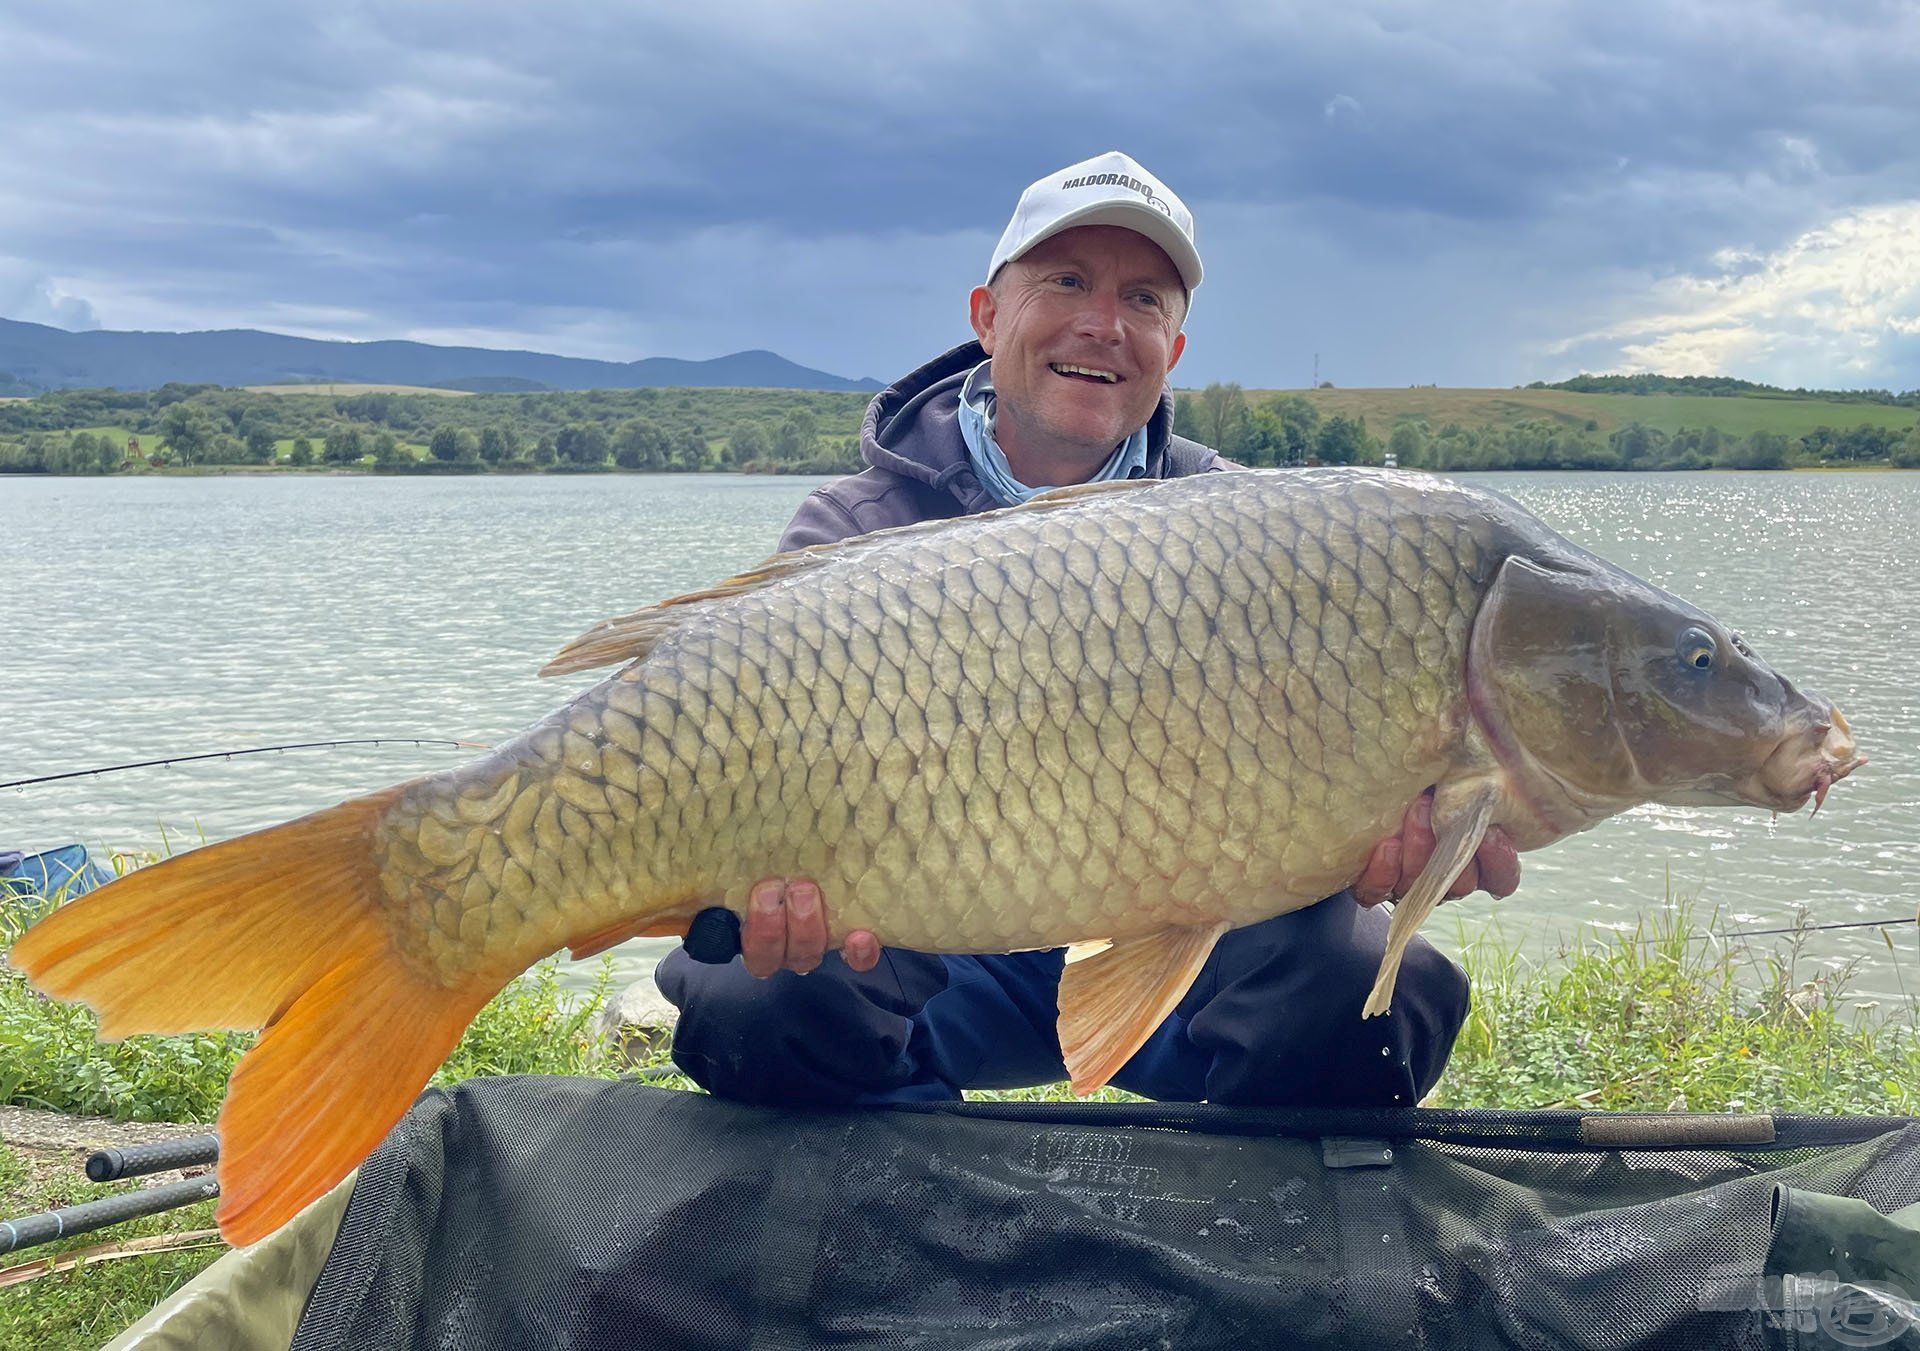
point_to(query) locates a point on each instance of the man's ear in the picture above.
(981, 310)
(1179, 346)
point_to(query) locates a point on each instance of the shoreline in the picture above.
(544, 471)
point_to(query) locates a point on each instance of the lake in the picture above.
(153, 617)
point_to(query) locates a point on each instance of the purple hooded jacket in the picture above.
(918, 461)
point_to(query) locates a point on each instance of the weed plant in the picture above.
(1668, 1016)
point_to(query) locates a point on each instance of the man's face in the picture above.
(1096, 298)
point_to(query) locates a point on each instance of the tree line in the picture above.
(1722, 386)
(796, 431)
(787, 431)
(1288, 429)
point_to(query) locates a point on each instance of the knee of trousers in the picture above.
(818, 1038)
(1333, 951)
(1290, 994)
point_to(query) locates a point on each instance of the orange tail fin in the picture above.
(282, 929)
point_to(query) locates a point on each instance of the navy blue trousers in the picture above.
(1274, 1019)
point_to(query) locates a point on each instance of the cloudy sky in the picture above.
(1474, 193)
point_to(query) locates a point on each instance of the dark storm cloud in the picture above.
(628, 180)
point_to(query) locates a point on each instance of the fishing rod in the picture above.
(250, 750)
(32, 1230)
(1807, 928)
(192, 1151)
(113, 1165)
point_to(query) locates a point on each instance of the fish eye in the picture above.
(1696, 649)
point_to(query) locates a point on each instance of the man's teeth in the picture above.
(1060, 368)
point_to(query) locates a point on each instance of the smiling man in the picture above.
(1078, 325)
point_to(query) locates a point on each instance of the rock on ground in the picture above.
(30, 1128)
(53, 1149)
(637, 1023)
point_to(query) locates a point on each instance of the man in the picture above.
(1077, 327)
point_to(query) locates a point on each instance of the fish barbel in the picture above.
(1136, 714)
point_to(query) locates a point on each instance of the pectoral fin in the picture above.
(1112, 1000)
(1456, 839)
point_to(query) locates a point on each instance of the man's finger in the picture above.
(1499, 863)
(1416, 841)
(1382, 875)
(1466, 883)
(861, 951)
(806, 927)
(763, 937)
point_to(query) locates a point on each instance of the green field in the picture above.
(149, 442)
(345, 389)
(1736, 415)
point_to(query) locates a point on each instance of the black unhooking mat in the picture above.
(528, 1212)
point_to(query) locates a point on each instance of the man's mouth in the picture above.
(1092, 373)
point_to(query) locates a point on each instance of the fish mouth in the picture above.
(1805, 765)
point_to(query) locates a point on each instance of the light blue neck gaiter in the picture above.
(977, 408)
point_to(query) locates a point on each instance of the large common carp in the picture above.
(1141, 713)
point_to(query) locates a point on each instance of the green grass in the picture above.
(117, 436)
(1737, 415)
(1661, 1018)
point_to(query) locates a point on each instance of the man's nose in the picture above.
(1099, 318)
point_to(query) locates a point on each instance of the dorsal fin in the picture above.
(631, 636)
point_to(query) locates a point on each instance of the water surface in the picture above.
(167, 616)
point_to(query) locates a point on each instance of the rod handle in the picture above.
(110, 1165)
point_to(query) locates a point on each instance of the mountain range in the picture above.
(36, 357)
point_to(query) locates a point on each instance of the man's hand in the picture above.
(786, 929)
(1396, 862)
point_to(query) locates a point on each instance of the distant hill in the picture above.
(35, 357)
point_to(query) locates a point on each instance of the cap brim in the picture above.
(1138, 217)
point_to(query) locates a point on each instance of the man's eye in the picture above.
(1068, 281)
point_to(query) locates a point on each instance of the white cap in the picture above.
(1109, 189)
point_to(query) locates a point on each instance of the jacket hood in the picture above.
(912, 428)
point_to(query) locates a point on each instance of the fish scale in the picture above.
(1098, 714)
